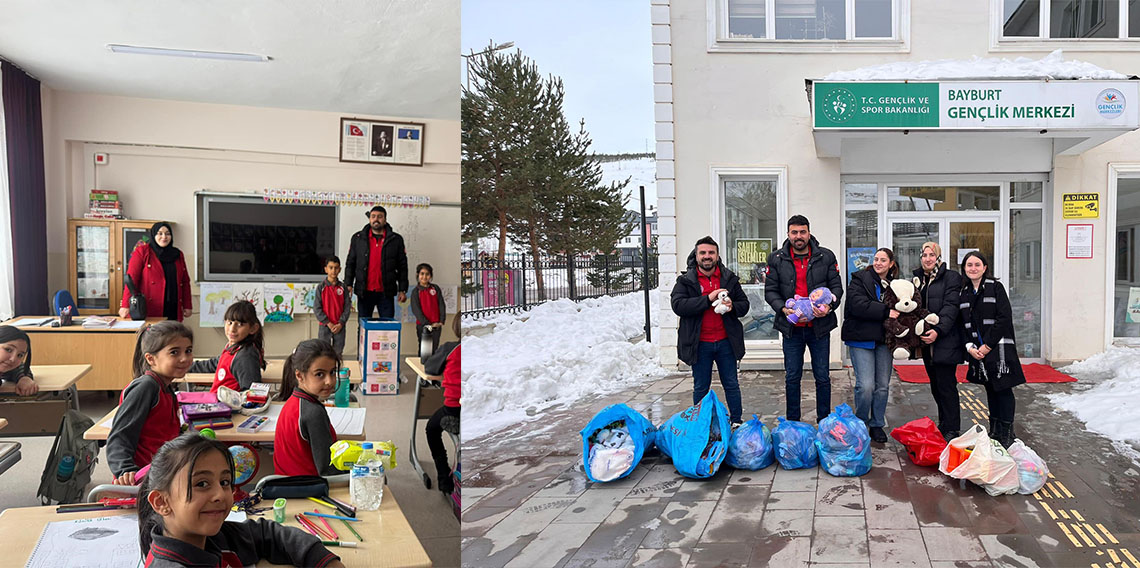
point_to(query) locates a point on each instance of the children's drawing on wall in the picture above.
(253, 294)
(278, 303)
(305, 295)
(216, 297)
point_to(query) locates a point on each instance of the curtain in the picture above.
(24, 137)
(7, 290)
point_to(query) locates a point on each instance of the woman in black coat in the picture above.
(987, 323)
(863, 317)
(942, 345)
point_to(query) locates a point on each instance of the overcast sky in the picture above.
(600, 48)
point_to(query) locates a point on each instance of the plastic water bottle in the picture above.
(66, 468)
(366, 483)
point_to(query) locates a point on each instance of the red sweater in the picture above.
(712, 323)
(146, 272)
(452, 379)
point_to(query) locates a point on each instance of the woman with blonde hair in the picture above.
(942, 348)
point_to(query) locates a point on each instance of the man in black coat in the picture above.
(799, 267)
(705, 336)
(377, 266)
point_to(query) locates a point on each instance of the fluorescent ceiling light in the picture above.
(140, 50)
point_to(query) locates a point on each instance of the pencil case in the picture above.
(295, 487)
(203, 397)
(193, 412)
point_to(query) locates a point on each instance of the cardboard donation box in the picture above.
(379, 355)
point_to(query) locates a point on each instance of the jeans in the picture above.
(944, 388)
(820, 348)
(721, 353)
(366, 301)
(872, 383)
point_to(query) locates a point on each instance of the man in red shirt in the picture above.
(705, 336)
(377, 266)
(799, 267)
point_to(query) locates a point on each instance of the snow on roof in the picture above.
(1051, 66)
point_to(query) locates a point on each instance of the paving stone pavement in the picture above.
(527, 503)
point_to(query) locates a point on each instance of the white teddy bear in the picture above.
(719, 306)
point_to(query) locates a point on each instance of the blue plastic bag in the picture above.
(697, 438)
(750, 446)
(618, 417)
(844, 444)
(795, 444)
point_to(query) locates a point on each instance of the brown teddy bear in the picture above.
(903, 334)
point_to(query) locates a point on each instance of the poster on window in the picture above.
(859, 258)
(752, 258)
(378, 142)
(1132, 310)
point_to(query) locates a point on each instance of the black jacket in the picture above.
(941, 294)
(987, 315)
(248, 542)
(780, 284)
(393, 259)
(690, 304)
(863, 314)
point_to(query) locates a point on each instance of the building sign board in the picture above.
(1080, 205)
(976, 105)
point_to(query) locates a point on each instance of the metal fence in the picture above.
(520, 281)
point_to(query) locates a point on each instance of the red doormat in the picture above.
(1034, 373)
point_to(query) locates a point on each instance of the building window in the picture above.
(751, 233)
(935, 198)
(1069, 19)
(808, 21)
(1126, 299)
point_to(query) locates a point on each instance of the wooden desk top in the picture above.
(417, 366)
(230, 435)
(78, 327)
(272, 374)
(388, 538)
(52, 377)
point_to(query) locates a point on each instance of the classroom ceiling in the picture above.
(396, 58)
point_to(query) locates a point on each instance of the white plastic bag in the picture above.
(1032, 473)
(989, 465)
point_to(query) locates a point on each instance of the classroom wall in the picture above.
(162, 152)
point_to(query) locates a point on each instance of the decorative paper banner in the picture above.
(310, 197)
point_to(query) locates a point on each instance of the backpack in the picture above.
(77, 455)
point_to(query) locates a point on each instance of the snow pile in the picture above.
(556, 353)
(1108, 404)
(1051, 66)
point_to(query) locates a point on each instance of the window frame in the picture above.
(720, 42)
(1041, 42)
(718, 175)
(1116, 171)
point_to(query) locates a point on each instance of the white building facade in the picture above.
(1041, 175)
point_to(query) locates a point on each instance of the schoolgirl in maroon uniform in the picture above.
(303, 435)
(148, 411)
(243, 357)
(183, 503)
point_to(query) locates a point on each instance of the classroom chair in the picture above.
(63, 299)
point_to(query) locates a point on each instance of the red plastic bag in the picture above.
(923, 441)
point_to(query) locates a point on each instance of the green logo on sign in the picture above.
(839, 105)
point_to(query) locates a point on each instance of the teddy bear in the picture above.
(802, 306)
(903, 334)
(719, 306)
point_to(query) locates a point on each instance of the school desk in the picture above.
(271, 375)
(109, 351)
(428, 401)
(228, 435)
(40, 413)
(388, 538)
(9, 454)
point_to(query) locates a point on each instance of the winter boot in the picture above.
(1003, 433)
(443, 475)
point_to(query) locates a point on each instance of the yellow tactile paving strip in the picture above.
(1082, 533)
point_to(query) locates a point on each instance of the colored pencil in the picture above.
(318, 528)
(304, 525)
(343, 504)
(358, 537)
(336, 536)
(312, 528)
(350, 519)
(320, 502)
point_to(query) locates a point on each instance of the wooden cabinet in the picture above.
(99, 252)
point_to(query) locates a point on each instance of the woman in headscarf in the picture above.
(942, 344)
(158, 270)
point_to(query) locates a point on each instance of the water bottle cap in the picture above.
(366, 445)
